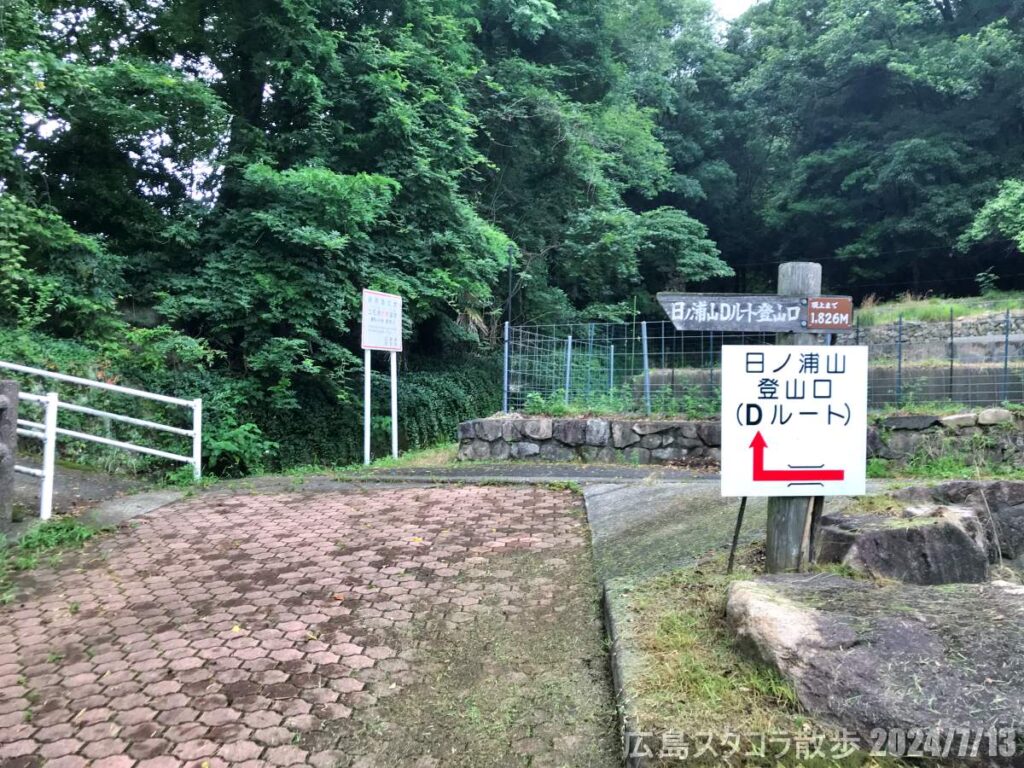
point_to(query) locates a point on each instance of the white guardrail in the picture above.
(48, 429)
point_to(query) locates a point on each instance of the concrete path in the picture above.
(417, 627)
(73, 489)
(643, 530)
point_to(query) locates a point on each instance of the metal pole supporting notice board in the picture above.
(382, 330)
(367, 389)
(394, 405)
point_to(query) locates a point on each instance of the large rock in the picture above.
(555, 451)
(914, 423)
(903, 444)
(571, 432)
(537, 429)
(598, 432)
(959, 420)
(467, 430)
(890, 657)
(524, 450)
(711, 434)
(594, 454)
(489, 429)
(1004, 500)
(654, 440)
(876, 448)
(474, 450)
(992, 416)
(665, 455)
(931, 545)
(687, 431)
(652, 427)
(623, 435)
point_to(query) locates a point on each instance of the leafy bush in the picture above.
(155, 359)
(324, 431)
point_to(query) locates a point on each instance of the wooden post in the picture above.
(787, 517)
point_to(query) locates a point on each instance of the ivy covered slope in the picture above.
(193, 195)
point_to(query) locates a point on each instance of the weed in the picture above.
(53, 534)
(74, 607)
(564, 485)
(878, 468)
(438, 456)
(52, 537)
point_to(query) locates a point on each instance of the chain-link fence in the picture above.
(650, 367)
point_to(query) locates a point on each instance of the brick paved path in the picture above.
(268, 630)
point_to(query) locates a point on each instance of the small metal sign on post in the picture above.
(381, 330)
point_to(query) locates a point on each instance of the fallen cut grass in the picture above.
(690, 677)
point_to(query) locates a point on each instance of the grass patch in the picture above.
(425, 458)
(691, 678)
(49, 538)
(945, 467)
(666, 402)
(932, 408)
(877, 504)
(934, 309)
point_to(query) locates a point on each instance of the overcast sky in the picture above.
(730, 9)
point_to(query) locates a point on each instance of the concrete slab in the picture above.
(640, 530)
(113, 512)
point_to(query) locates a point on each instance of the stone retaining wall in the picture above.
(606, 441)
(915, 331)
(993, 435)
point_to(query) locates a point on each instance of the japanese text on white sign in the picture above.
(794, 420)
(382, 321)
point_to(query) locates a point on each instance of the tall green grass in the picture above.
(934, 309)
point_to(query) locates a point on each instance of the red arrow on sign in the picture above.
(787, 475)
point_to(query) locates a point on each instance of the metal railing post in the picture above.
(590, 359)
(952, 354)
(197, 439)
(1006, 358)
(568, 367)
(899, 362)
(49, 456)
(647, 368)
(611, 369)
(504, 375)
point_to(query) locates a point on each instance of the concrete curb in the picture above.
(617, 662)
(509, 479)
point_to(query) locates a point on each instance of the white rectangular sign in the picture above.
(382, 321)
(794, 420)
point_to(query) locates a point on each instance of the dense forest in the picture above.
(193, 193)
